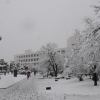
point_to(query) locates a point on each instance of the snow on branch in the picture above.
(96, 8)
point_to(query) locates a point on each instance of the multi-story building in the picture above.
(29, 58)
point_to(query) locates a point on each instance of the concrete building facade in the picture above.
(29, 58)
(71, 41)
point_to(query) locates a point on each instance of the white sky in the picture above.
(29, 24)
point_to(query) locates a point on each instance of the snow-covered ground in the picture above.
(9, 79)
(69, 87)
(34, 88)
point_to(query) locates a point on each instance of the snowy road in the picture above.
(29, 90)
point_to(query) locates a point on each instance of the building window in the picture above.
(37, 59)
(34, 59)
(34, 64)
(73, 44)
(37, 55)
(28, 59)
(34, 55)
(26, 56)
(19, 56)
(31, 55)
(31, 59)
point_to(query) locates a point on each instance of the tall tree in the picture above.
(50, 59)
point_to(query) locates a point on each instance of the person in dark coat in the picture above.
(95, 78)
(15, 72)
(35, 73)
(28, 74)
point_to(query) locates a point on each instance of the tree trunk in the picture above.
(56, 71)
(95, 83)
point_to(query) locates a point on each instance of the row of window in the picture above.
(28, 60)
(29, 64)
(30, 55)
(36, 55)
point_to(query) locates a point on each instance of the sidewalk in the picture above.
(9, 80)
(23, 90)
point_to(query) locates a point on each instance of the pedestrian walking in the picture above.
(35, 73)
(95, 78)
(28, 74)
(15, 72)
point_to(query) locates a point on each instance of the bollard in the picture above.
(48, 88)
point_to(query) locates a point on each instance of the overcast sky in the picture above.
(29, 24)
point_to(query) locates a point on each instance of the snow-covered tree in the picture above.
(91, 45)
(50, 59)
(96, 8)
(78, 61)
(82, 56)
(85, 53)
